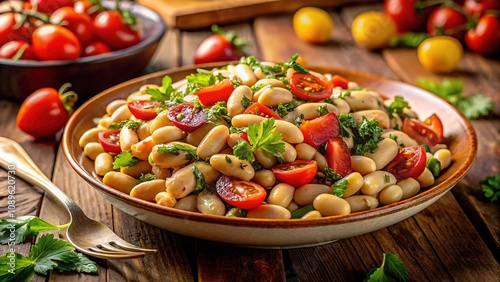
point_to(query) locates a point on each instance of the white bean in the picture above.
(245, 74)
(210, 203)
(264, 177)
(444, 157)
(410, 187)
(426, 179)
(305, 194)
(281, 194)
(119, 181)
(128, 137)
(329, 205)
(103, 163)
(375, 181)
(148, 190)
(230, 165)
(269, 211)
(362, 202)
(187, 203)
(309, 110)
(165, 199)
(378, 115)
(213, 142)
(234, 106)
(362, 164)
(92, 149)
(390, 194)
(273, 96)
(386, 151)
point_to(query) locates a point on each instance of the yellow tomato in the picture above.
(440, 54)
(312, 25)
(373, 30)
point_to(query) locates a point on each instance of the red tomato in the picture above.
(338, 156)
(409, 162)
(216, 48)
(310, 87)
(214, 93)
(109, 140)
(420, 132)
(485, 37)
(95, 48)
(15, 48)
(45, 112)
(241, 194)
(479, 7)
(144, 109)
(317, 131)
(447, 21)
(49, 6)
(405, 14)
(88, 7)
(80, 24)
(111, 28)
(185, 117)
(53, 42)
(9, 31)
(297, 173)
(434, 123)
(261, 110)
(339, 81)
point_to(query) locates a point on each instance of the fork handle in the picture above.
(14, 158)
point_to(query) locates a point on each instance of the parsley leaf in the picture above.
(491, 187)
(200, 178)
(328, 176)
(365, 135)
(322, 110)
(392, 269)
(24, 226)
(131, 124)
(147, 177)
(124, 159)
(398, 106)
(261, 136)
(339, 187)
(217, 113)
(473, 106)
(165, 93)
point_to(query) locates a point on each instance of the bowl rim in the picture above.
(138, 10)
(422, 197)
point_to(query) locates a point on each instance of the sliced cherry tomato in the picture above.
(434, 123)
(111, 28)
(80, 24)
(45, 111)
(310, 87)
(12, 49)
(447, 21)
(241, 194)
(54, 42)
(109, 140)
(186, 117)
(420, 132)
(261, 110)
(297, 173)
(485, 37)
(338, 156)
(95, 48)
(244, 135)
(317, 131)
(212, 94)
(339, 81)
(144, 109)
(409, 162)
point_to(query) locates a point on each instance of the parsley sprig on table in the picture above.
(451, 89)
(261, 136)
(491, 187)
(392, 269)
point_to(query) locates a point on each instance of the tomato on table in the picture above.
(220, 47)
(109, 140)
(296, 173)
(241, 194)
(440, 54)
(409, 162)
(112, 29)
(312, 24)
(317, 131)
(421, 132)
(406, 14)
(309, 87)
(373, 30)
(80, 24)
(186, 117)
(484, 38)
(144, 109)
(54, 42)
(46, 111)
(338, 156)
(261, 110)
(447, 21)
(434, 123)
(212, 94)
(339, 81)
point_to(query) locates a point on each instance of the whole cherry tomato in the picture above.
(261, 110)
(409, 162)
(440, 54)
(212, 94)
(241, 194)
(49, 6)
(54, 42)
(95, 48)
(479, 7)
(9, 31)
(447, 21)
(319, 130)
(17, 50)
(111, 28)
(186, 117)
(296, 173)
(88, 7)
(80, 24)
(310, 87)
(46, 111)
(338, 156)
(485, 37)
(219, 47)
(144, 109)
(110, 140)
(406, 14)
(373, 30)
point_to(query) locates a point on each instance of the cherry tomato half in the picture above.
(186, 117)
(310, 87)
(241, 194)
(296, 173)
(339, 81)
(317, 131)
(111, 28)
(144, 109)
(419, 131)
(485, 37)
(109, 140)
(409, 162)
(54, 42)
(434, 123)
(261, 110)
(212, 94)
(338, 156)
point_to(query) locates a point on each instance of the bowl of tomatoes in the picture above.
(90, 45)
(262, 163)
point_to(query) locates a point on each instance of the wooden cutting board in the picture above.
(193, 14)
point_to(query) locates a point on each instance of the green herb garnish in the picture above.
(392, 269)
(124, 159)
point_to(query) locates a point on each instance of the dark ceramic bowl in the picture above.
(88, 76)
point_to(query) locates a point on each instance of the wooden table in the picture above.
(456, 238)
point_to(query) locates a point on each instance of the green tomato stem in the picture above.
(68, 98)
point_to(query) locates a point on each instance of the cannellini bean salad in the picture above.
(262, 140)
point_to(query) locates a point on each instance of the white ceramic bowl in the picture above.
(261, 233)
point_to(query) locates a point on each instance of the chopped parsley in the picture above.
(166, 93)
(124, 159)
(131, 124)
(174, 148)
(200, 178)
(218, 113)
(397, 107)
(322, 110)
(339, 187)
(147, 177)
(365, 136)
